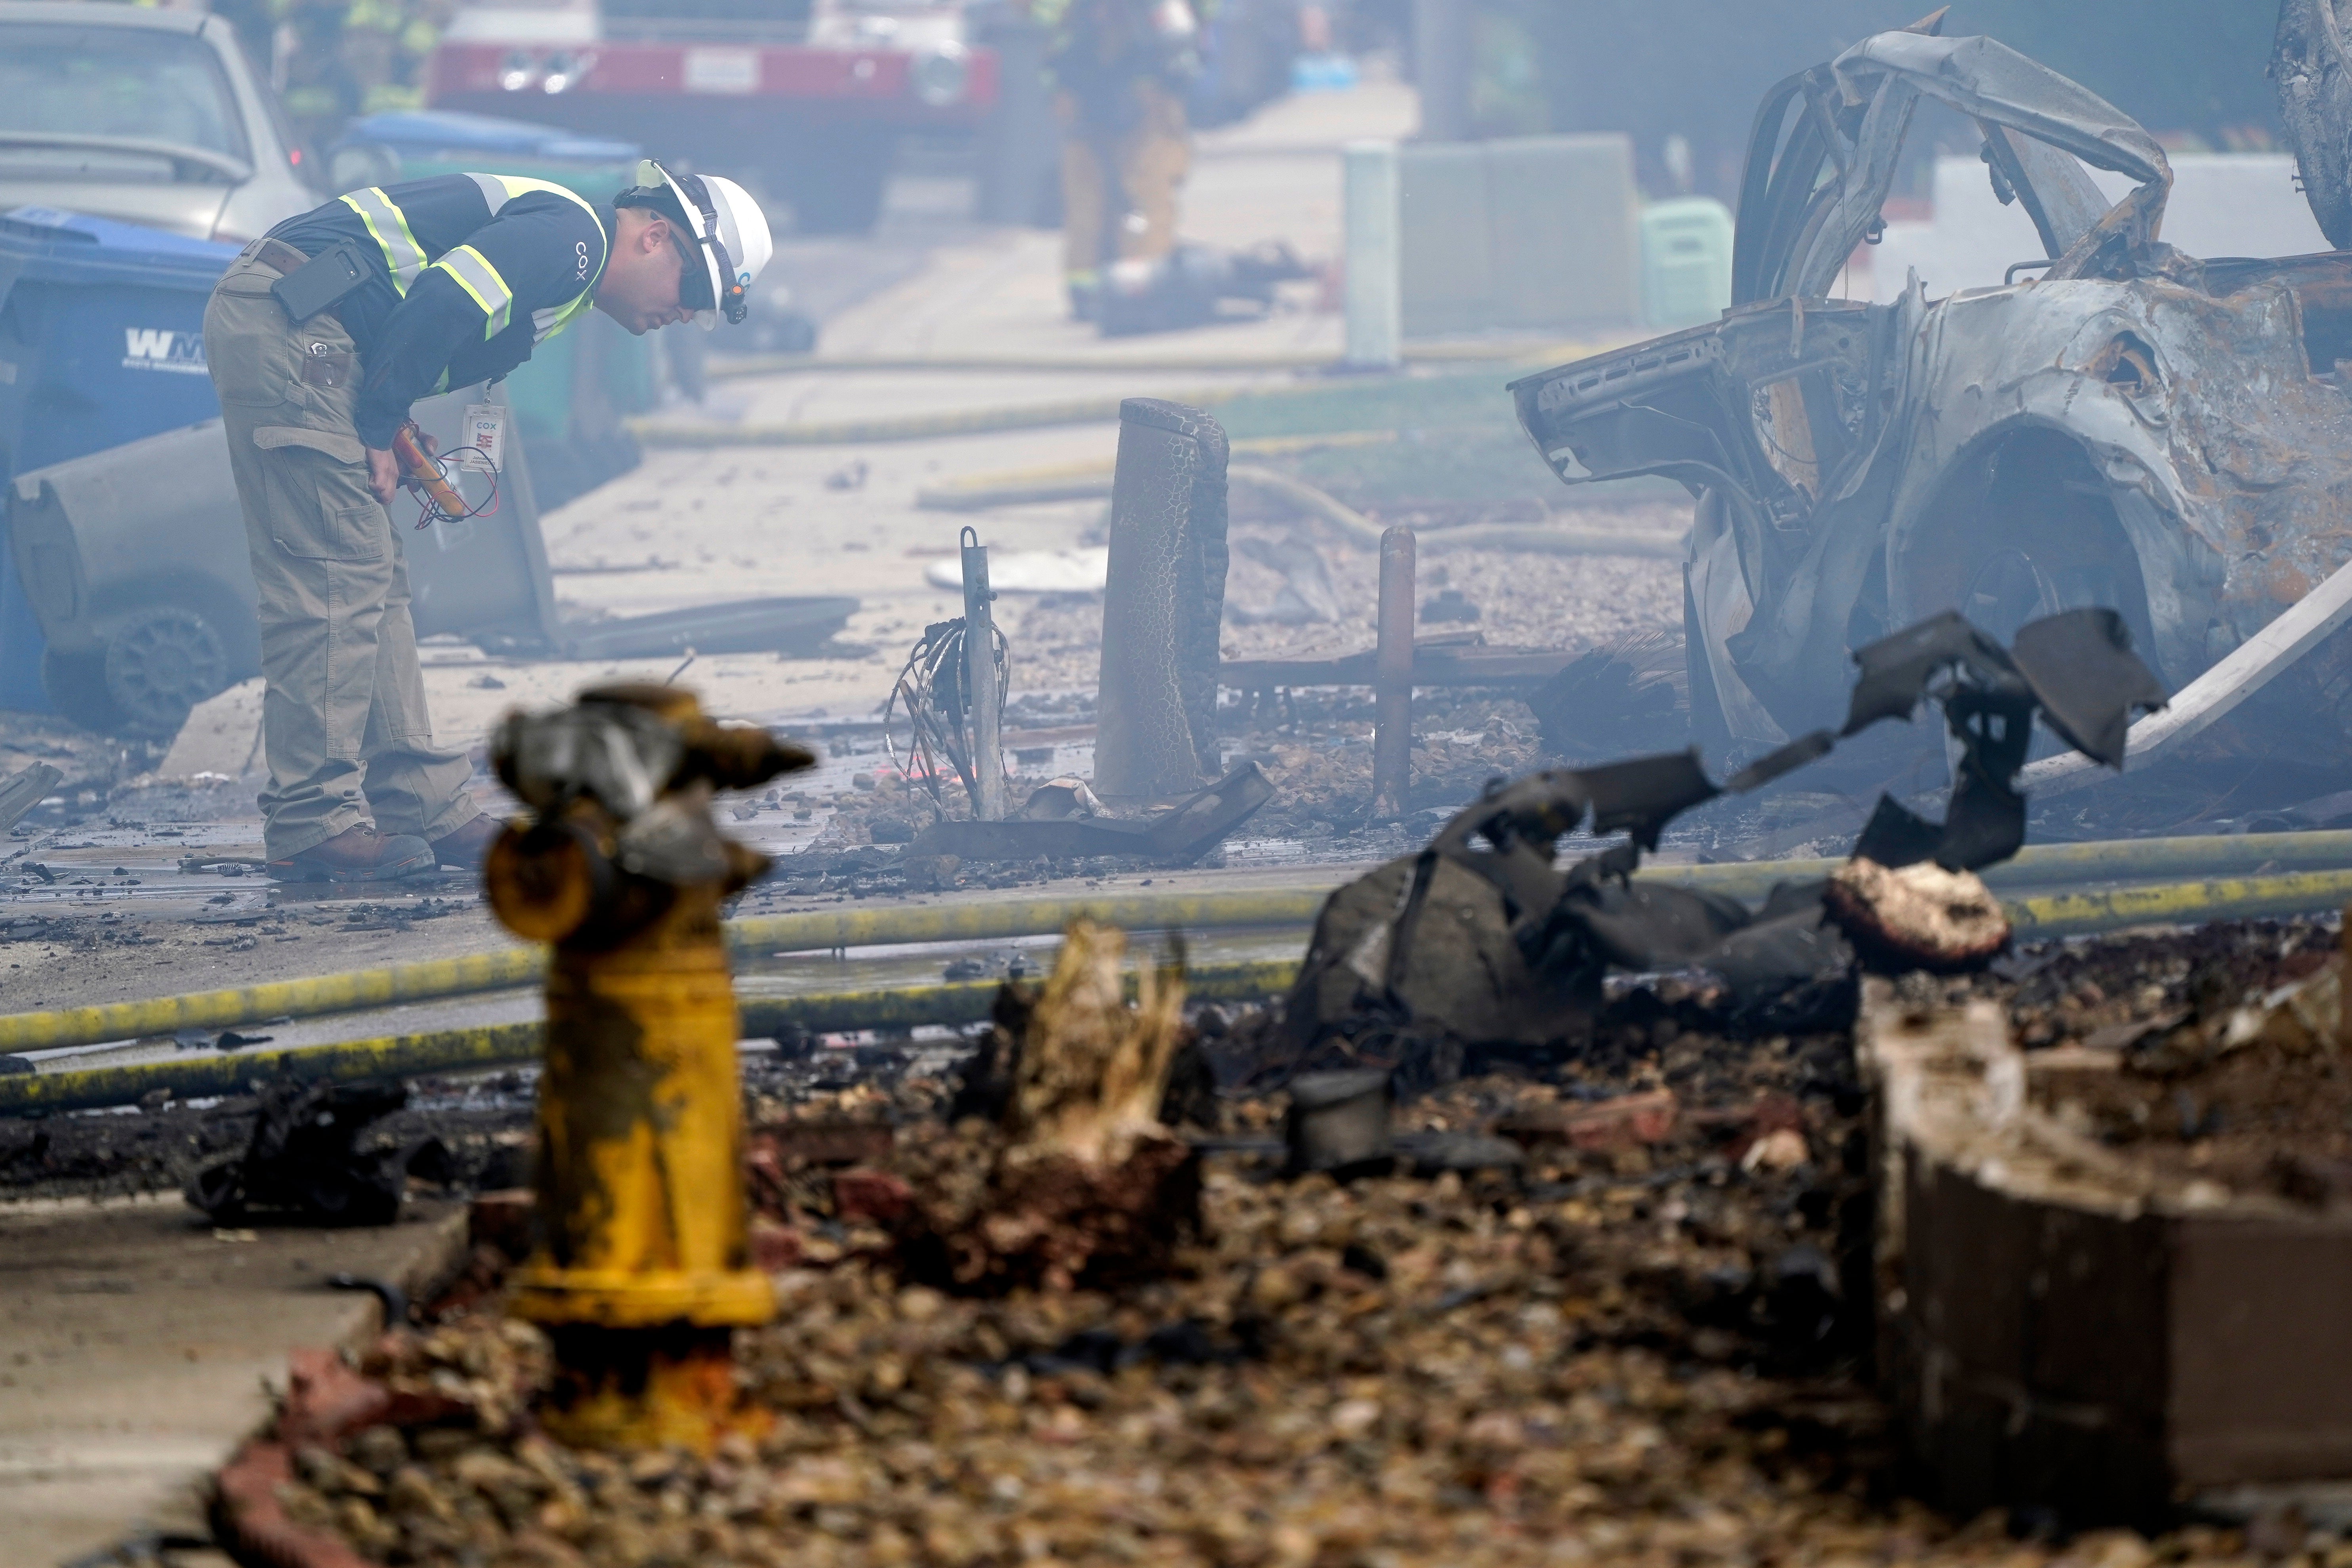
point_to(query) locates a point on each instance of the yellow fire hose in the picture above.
(513, 968)
(2035, 868)
(511, 1045)
(2226, 898)
(2036, 917)
(358, 991)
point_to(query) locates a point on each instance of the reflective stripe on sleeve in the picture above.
(498, 190)
(494, 190)
(473, 273)
(403, 256)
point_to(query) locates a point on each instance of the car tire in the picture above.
(158, 663)
(1709, 730)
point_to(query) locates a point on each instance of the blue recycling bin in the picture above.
(101, 341)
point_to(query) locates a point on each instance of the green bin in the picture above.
(1686, 261)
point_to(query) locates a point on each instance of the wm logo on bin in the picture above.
(150, 348)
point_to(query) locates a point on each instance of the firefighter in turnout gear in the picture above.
(1119, 71)
(320, 336)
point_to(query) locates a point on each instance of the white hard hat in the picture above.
(731, 230)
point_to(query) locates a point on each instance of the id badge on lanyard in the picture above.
(486, 431)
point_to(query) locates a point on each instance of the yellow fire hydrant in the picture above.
(642, 1271)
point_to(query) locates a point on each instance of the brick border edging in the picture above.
(251, 1524)
(2056, 1324)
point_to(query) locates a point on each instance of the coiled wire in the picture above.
(939, 709)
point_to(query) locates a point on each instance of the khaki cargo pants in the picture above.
(343, 722)
(1152, 161)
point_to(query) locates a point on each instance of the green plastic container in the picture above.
(1686, 261)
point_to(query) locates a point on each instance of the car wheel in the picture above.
(2021, 529)
(1710, 729)
(160, 663)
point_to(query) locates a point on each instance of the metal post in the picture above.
(1374, 284)
(1019, 149)
(980, 681)
(1392, 678)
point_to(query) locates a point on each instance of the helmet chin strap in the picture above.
(732, 300)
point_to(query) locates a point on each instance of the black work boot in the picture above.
(357, 855)
(462, 848)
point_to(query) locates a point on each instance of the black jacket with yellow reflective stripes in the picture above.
(471, 273)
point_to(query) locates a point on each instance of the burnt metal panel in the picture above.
(2028, 1357)
(2063, 1325)
(2311, 64)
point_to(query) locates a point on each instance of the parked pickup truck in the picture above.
(809, 98)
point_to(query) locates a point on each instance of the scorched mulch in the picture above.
(1626, 1349)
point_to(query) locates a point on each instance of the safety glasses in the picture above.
(735, 299)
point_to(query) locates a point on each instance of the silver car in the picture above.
(148, 116)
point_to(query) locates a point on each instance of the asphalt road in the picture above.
(109, 914)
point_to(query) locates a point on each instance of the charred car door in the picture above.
(1761, 416)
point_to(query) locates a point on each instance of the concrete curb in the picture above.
(246, 1513)
(134, 1436)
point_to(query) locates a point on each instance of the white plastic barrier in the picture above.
(1538, 233)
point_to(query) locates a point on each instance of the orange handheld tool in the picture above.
(408, 446)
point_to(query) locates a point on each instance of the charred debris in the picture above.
(1479, 948)
(311, 1159)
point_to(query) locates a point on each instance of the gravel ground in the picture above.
(1647, 1352)
(1638, 1351)
(1572, 601)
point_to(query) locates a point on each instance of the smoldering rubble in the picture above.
(1477, 948)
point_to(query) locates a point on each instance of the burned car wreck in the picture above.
(2131, 428)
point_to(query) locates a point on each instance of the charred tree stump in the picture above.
(1083, 1183)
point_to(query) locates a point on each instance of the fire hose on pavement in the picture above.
(2269, 856)
(2276, 891)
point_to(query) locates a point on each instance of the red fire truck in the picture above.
(811, 99)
